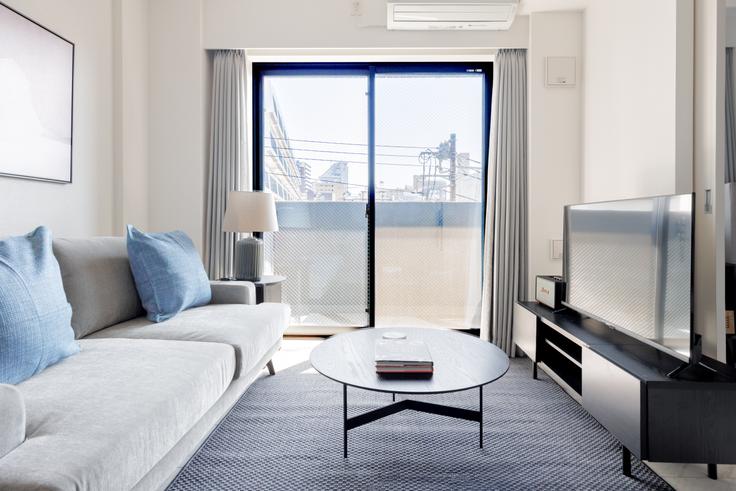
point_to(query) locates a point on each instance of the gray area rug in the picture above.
(285, 433)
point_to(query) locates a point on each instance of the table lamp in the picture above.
(249, 211)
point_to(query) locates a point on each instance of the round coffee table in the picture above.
(461, 362)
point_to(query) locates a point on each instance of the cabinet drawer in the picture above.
(691, 422)
(525, 331)
(613, 397)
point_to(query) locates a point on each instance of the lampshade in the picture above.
(250, 212)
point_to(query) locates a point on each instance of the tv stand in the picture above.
(656, 408)
(683, 366)
(696, 354)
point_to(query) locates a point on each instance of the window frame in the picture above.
(370, 70)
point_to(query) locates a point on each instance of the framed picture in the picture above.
(36, 100)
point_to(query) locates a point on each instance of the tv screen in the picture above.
(629, 264)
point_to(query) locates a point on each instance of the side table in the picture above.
(268, 288)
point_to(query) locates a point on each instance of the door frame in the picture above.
(370, 70)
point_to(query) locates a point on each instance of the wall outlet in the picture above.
(355, 9)
(555, 249)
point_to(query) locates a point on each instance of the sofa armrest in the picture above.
(13, 419)
(242, 292)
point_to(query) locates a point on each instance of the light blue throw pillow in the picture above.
(168, 273)
(35, 317)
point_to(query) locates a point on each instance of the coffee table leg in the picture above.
(393, 396)
(481, 415)
(344, 421)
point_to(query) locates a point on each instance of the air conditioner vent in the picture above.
(489, 15)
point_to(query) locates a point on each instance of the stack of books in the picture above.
(401, 356)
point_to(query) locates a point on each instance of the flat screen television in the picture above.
(628, 264)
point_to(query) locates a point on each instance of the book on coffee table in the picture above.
(403, 356)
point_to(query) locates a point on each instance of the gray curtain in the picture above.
(730, 170)
(505, 250)
(227, 157)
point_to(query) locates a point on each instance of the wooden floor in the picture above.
(687, 477)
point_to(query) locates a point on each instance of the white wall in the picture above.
(637, 98)
(84, 207)
(554, 136)
(329, 24)
(177, 119)
(131, 113)
(709, 122)
(684, 59)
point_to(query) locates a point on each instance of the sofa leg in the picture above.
(271, 370)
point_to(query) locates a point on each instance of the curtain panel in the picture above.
(505, 248)
(730, 167)
(227, 156)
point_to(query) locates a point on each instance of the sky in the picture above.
(411, 110)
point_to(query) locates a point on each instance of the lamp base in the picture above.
(249, 259)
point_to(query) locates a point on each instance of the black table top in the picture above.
(461, 361)
(639, 359)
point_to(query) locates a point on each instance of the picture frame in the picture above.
(36, 100)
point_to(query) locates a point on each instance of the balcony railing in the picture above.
(428, 262)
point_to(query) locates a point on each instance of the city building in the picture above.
(284, 176)
(333, 183)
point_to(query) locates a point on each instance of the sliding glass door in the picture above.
(379, 172)
(313, 157)
(429, 197)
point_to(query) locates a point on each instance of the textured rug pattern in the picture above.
(285, 433)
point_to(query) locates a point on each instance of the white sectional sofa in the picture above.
(130, 409)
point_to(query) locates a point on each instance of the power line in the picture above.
(343, 151)
(333, 160)
(320, 150)
(396, 164)
(346, 143)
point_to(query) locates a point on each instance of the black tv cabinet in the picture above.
(623, 383)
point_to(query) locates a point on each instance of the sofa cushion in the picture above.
(35, 318)
(13, 420)
(104, 418)
(168, 272)
(98, 282)
(251, 330)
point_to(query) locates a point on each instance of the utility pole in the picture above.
(453, 167)
(447, 150)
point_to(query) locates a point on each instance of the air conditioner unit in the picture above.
(488, 15)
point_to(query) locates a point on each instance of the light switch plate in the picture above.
(555, 249)
(355, 9)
